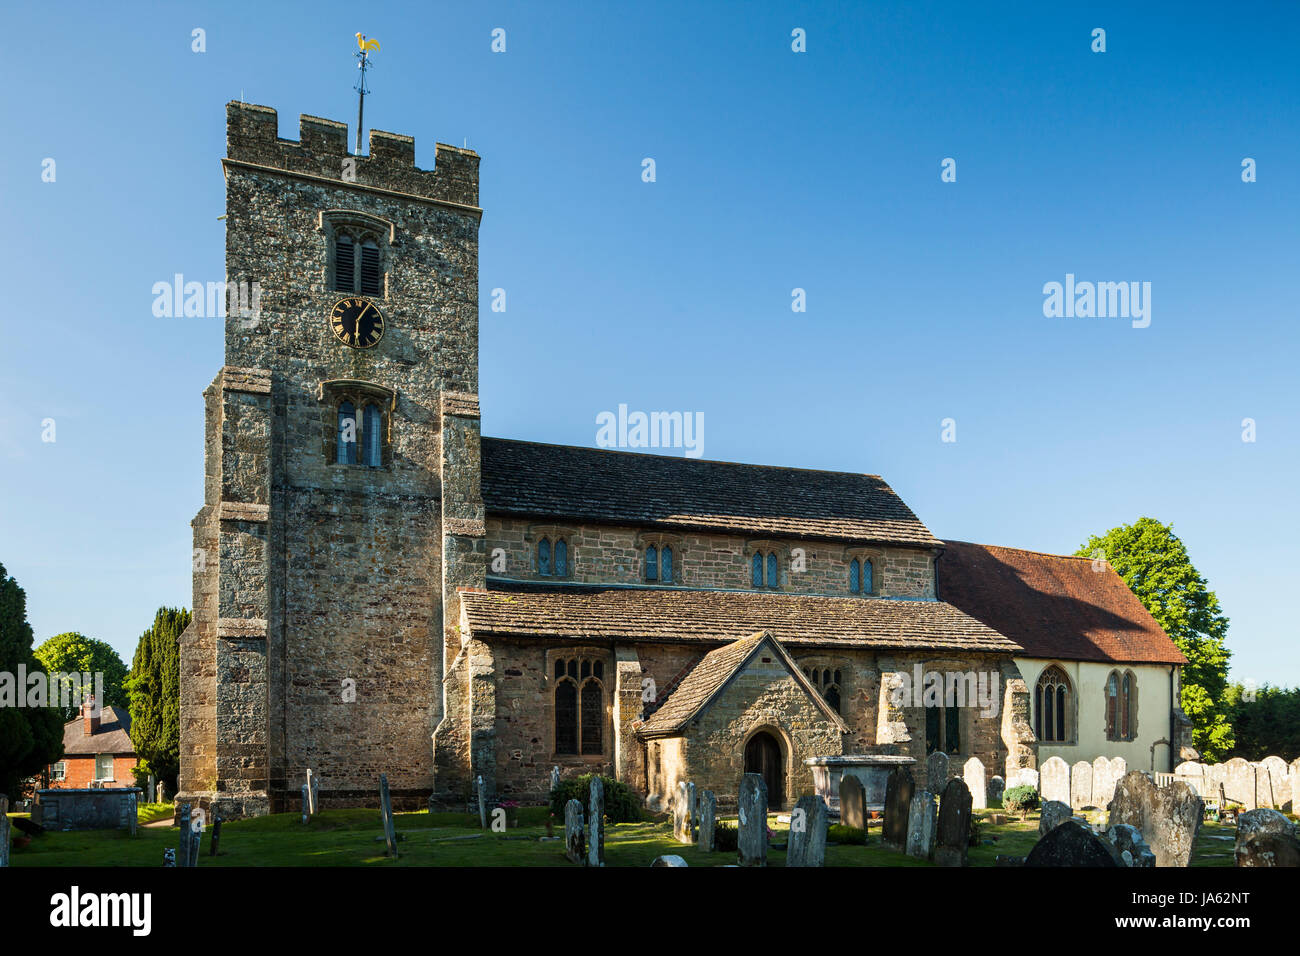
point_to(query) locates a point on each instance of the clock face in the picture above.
(357, 322)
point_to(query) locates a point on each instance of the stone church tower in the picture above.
(342, 503)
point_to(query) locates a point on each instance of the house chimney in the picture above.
(90, 714)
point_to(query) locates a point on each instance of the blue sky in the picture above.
(775, 170)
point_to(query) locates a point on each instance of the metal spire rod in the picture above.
(363, 63)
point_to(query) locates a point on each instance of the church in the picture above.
(379, 589)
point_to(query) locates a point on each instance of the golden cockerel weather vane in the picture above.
(363, 63)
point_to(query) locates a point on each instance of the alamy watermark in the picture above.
(651, 430)
(211, 300)
(1102, 300)
(58, 689)
(922, 688)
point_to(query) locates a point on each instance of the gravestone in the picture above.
(936, 771)
(973, 775)
(215, 840)
(1103, 783)
(921, 825)
(196, 838)
(1128, 843)
(482, 802)
(1193, 774)
(162, 792)
(132, 813)
(953, 838)
(1054, 780)
(313, 792)
(1072, 844)
(682, 814)
(1295, 786)
(751, 836)
(169, 858)
(1239, 782)
(997, 787)
(183, 848)
(575, 837)
(306, 803)
(1052, 815)
(668, 860)
(853, 802)
(596, 823)
(1028, 778)
(4, 830)
(1266, 837)
(1168, 817)
(153, 788)
(555, 779)
(693, 809)
(807, 845)
(386, 813)
(899, 788)
(1274, 770)
(708, 821)
(1081, 785)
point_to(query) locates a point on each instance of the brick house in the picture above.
(97, 751)
(384, 590)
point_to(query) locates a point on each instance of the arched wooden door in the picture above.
(763, 757)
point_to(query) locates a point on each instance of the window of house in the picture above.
(764, 570)
(579, 705)
(659, 563)
(1120, 706)
(860, 576)
(103, 766)
(59, 771)
(1053, 721)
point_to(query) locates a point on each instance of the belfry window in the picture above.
(579, 696)
(356, 422)
(357, 245)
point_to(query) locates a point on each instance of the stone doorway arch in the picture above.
(763, 756)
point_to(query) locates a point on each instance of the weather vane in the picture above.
(363, 63)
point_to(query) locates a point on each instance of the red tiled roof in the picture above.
(711, 674)
(1053, 606)
(714, 617)
(616, 487)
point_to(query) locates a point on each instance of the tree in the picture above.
(1265, 721)
(74, 653)
(31, 738)
(153, 688)
(1154, 563)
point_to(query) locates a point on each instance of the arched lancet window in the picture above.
(579, 706)
(828, 684)
(347, 443)
(373, 430)
(1126, 707)
(566, 717)
(652, 563)
(866, 580)
(757, 571)
(772, 578)
(345, 257)
(544, 557)
(667, 576)
(561, 558)
(1052, 705)
(855, 576)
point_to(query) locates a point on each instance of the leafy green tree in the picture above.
(1155, 565)
(31, 738)
(1265, 721)
(74, 653)
(153, 687)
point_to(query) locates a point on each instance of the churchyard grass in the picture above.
(354, 838)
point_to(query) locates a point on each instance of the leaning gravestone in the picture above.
(921, 825)
(953, 838)
(1052, 815)
(1128, 843)
(1072, 844)
(936, 771)
(596, 823)
(997, 787)
(4, 830)
(853, 802)
(386, 813)
(1266, 838)
(1168, 817)
(575, 838)
(682, 814)
(708, 821)
(1081, 785)
(899, 787)
(751, 836)
(1054, 780)
(808, 837)
(973, 774)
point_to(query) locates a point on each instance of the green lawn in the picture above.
(352, 838)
